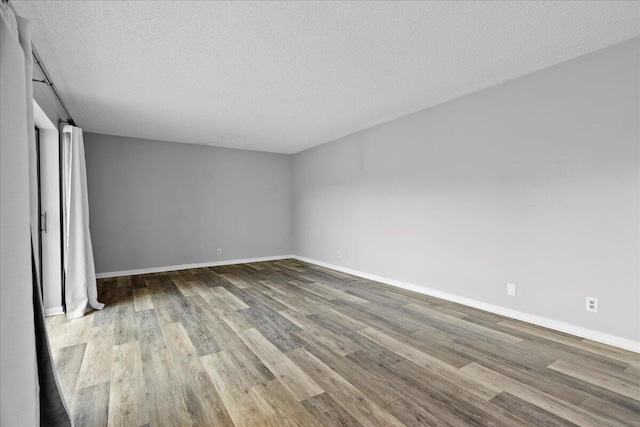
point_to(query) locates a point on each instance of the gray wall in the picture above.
(534, 181)
(156, 204)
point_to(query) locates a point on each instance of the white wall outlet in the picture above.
(339, 254)
(219, 251)
(592, 304)
(511, 289)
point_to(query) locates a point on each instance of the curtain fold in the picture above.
(80, 286)
(24, 32)
(29, 393)
(19, 384)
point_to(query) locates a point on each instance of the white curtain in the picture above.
(80, 285)
(29, 393)
(19, 384)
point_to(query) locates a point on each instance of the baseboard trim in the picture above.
(188, 266)
(568, 328)
(53, 311)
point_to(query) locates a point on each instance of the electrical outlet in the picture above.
(592, 304)
(339, 254)
(511, 289)
(219, 251)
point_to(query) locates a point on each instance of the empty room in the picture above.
(320, 213)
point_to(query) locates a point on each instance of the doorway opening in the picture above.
(50, 247)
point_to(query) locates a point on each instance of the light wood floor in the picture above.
(286, 343)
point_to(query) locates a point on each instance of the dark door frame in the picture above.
(41, 223)
(63, 279)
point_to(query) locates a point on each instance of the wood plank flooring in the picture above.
(286, 343)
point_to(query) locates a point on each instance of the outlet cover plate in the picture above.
(592, 304)
(511, 289)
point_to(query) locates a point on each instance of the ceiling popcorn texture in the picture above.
(286, 76)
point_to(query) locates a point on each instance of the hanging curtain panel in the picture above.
(29, 393)
(80, 286)
(25, 40)
(19, 384)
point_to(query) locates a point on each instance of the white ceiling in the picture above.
(286, 76)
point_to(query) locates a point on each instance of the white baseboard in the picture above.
(188, 266)
(568, 328)
(53, 311)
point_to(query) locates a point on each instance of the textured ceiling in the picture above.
(286, 76)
